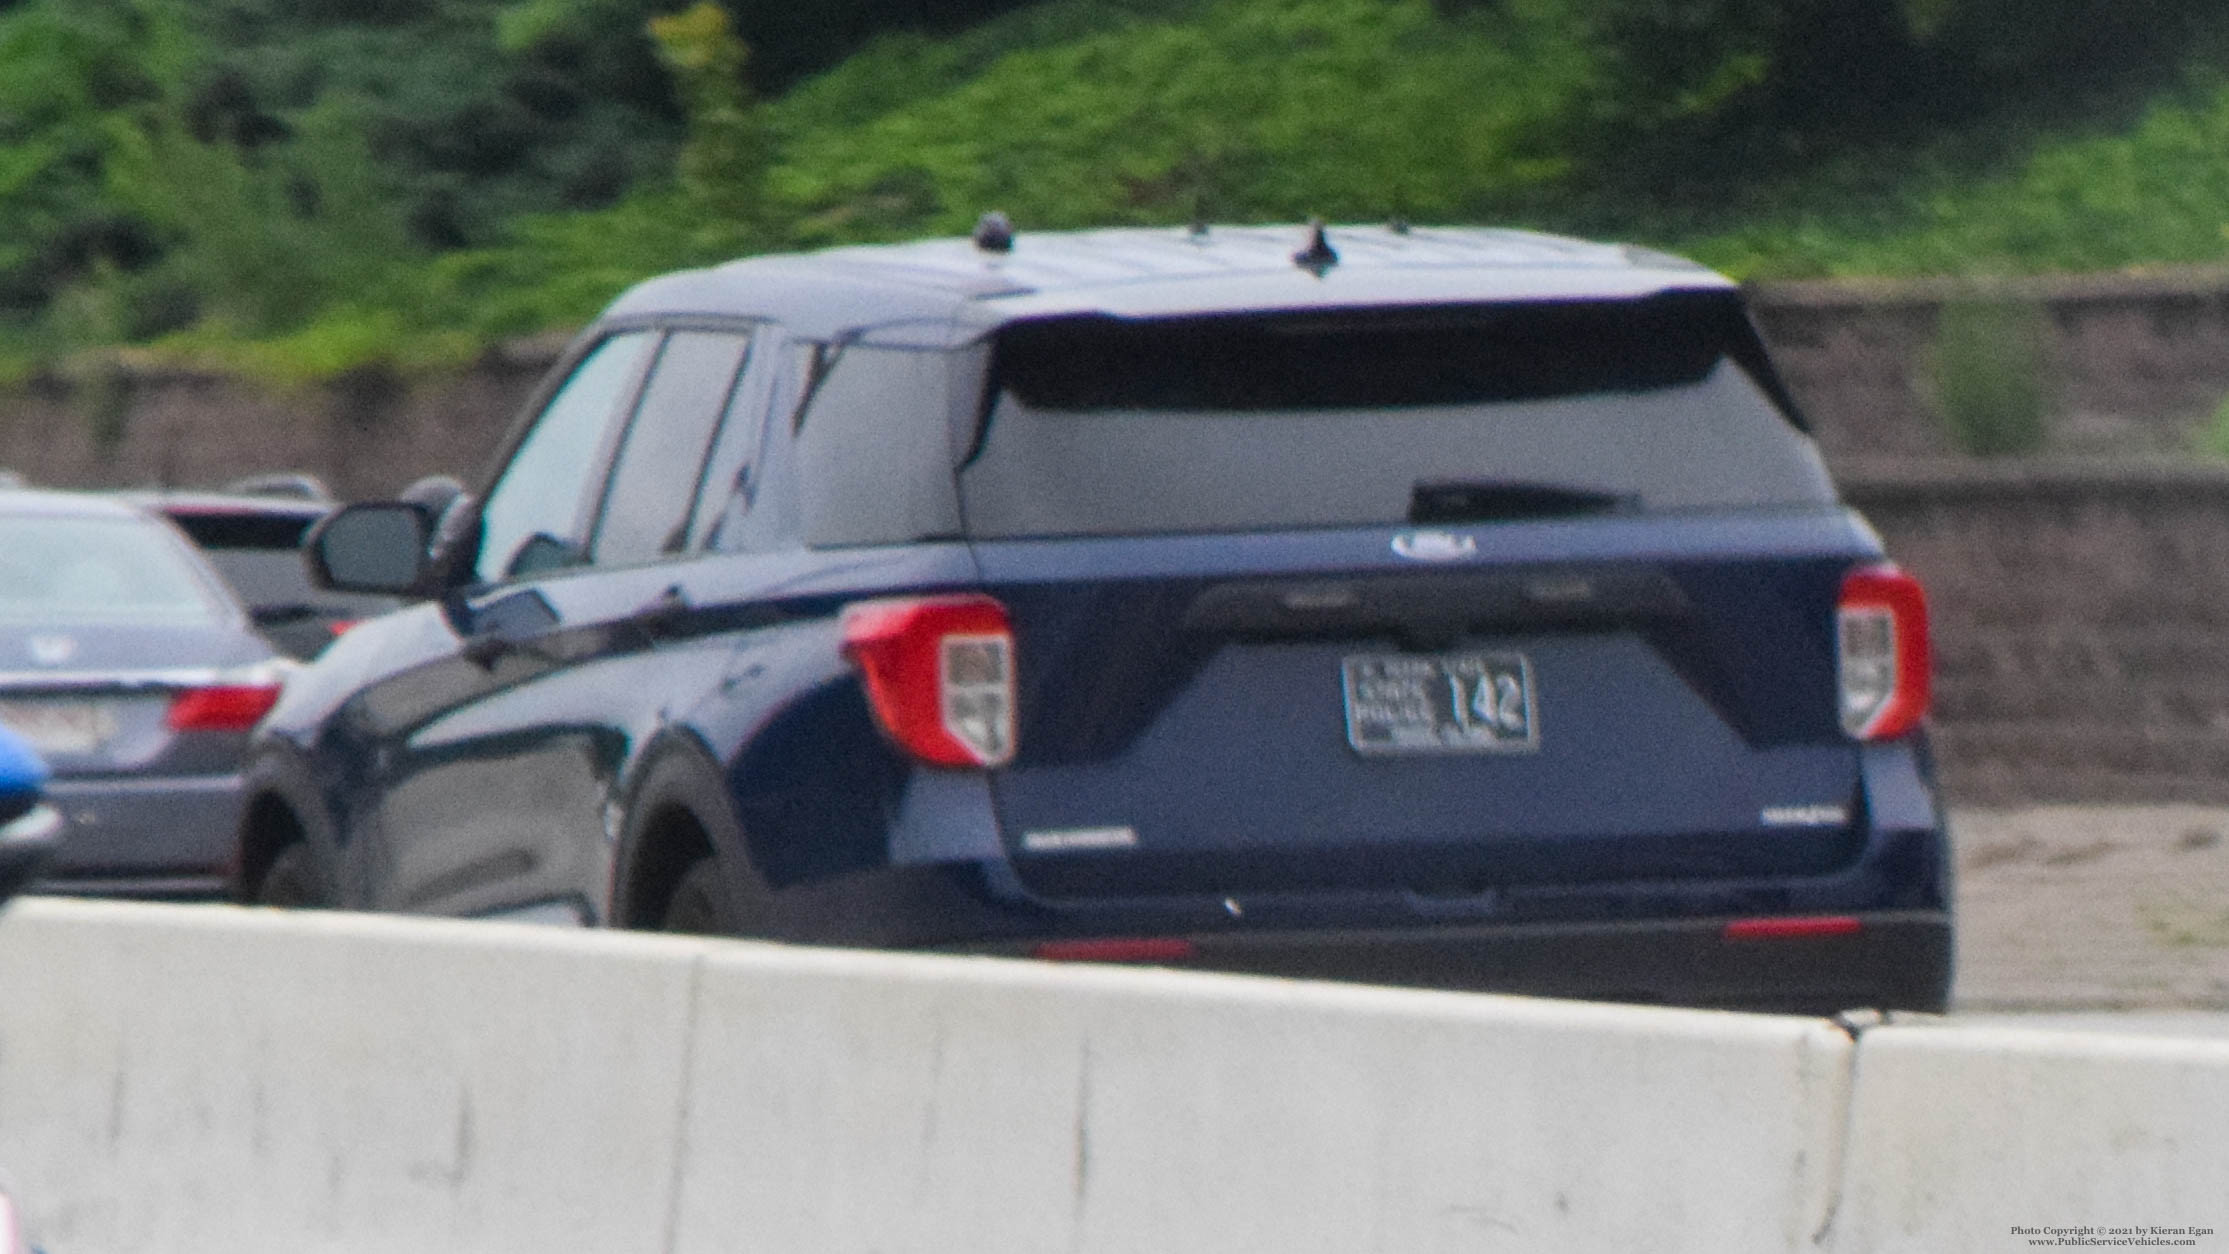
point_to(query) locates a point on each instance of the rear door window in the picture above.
(655, 482)
(1102, 426)
(749, 501)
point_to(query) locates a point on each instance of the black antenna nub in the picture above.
(1317, 259)
(994, 233)
(1399, 225)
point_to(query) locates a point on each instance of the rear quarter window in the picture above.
(874, 448)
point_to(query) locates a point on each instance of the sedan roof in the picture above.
(62, 503)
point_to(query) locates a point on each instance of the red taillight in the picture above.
(221, 707)
(939, 673)
(1799, 928)
(1881, 652)
(1116, 949)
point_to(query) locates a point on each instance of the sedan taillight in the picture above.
(229, 703)
(939, 674)
(1881, 641)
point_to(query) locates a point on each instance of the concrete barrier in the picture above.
(182, 1079)
(200, 1079)
(211, 1079)
(843, 1102)
(1959, 1136)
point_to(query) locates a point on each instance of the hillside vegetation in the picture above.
(304, 187)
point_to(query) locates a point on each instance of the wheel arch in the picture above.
(810, 794)
(277, 810)
(674, 811)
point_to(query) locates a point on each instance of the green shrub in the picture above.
(2212, 440)
(1986, 368)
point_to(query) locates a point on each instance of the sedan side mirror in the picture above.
(379, 547)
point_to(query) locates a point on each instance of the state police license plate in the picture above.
(1440, 703)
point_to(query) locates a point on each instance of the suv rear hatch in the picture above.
(1433, 600)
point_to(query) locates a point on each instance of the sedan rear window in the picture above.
(78, 570)
(1445, 415)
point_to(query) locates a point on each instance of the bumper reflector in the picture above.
(1116, 949)
(1802, 928)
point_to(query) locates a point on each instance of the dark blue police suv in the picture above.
(1453, 607)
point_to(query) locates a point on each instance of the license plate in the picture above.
(60, 726)
(1440, 703)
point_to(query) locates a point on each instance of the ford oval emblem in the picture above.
(52, 650)
(1434, 546)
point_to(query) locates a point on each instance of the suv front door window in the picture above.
(536, 515)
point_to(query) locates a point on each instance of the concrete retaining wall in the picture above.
(2081, 624)
(192, 1079)
(2134, 363)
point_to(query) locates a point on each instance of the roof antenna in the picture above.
(1317, 259)
(1399, 225)
(1198, 230)
(994, 233)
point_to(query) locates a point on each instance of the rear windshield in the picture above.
(100, 570)
(1102, 426)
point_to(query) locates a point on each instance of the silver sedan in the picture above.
(132, 668)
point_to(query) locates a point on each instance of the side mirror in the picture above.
(379, 547)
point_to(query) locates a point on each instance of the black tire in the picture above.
(701, 904)
(723, 894)
(292, 882)
(681, 831)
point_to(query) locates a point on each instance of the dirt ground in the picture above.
(2092, 907)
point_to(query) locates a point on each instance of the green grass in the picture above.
(1077, 113)
(2154, 192)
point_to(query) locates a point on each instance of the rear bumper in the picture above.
(1894, 959)
(162, 836)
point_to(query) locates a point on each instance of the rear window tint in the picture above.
(218, 530)
(1366, 361)
(1100, 426)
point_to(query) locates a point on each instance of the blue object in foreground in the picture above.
(22, 772)
(29, 828)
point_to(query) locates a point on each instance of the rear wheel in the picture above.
(293, 882)
(685, 870)
(701, 904)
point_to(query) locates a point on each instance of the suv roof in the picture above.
(965, 287)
